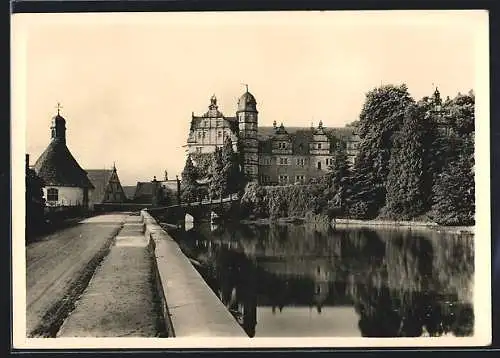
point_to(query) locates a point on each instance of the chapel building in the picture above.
(66, 183)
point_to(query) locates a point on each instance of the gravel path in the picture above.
(119, 300)
(58, 268)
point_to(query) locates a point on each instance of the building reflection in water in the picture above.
(401, 284)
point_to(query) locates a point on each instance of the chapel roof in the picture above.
(57, 167)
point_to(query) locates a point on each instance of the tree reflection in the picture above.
(401, 283)
(401, 297)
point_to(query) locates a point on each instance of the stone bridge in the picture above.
(209, 209)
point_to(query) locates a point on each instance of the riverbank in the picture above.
(412, 225)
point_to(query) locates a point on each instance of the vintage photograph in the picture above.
(251, 179)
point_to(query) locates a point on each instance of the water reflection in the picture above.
(397, 283)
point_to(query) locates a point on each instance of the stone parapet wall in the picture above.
(190, 307)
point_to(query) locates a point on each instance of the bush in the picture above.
(359, 210)
(284, 201)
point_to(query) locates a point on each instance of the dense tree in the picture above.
(35, 203)
(434, 145)
(366, 193)
(454, 189)
(340, 177)
(455, 193)
(202, 163)
(409, 182)
(189, 190)
(460, 112)
(218, 178)
(231, 168)
(381, 117)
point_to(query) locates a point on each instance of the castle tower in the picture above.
(247, 115)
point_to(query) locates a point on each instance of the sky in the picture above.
(128, 83)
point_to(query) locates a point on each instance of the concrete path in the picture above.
(119, 300)
(59, 265)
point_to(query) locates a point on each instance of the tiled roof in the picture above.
(229, 122)
(129, 191)
(56, 166)
(144, 192)
(300, 137)
(100, 179)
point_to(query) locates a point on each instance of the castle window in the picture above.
(266, 179)
(282, 145)
(204, 133)
(299, 178)
(283, 179)
(52, 194)
(319, 165)
(205, 124)
(219, 134)
(300, 162)
(319, 145)
(283, 161)
(199, 134)
(198, 149)
(218, 123)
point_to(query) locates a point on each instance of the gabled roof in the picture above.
(129, 191)
(57, 167)
(100, 179)
(300, 137)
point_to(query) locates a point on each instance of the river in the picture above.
(298, 280)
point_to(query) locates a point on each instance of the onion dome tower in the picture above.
(247, 115)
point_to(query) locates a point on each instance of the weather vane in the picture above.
(244, 84)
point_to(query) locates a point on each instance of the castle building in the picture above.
(66, 183)
(270, 155)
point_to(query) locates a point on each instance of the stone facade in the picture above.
(270, 155)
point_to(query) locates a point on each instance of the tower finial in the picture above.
(114, 167)
(59, 107)
(246, 86)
